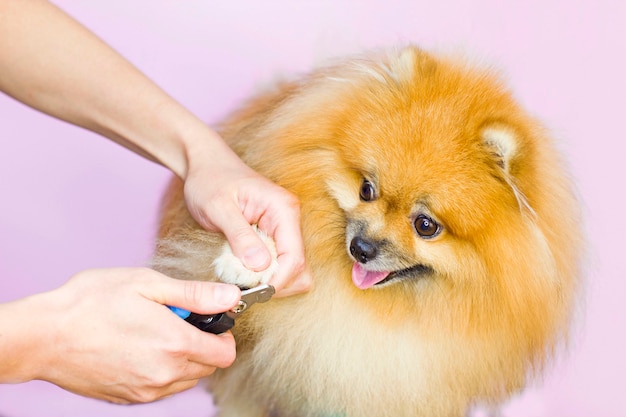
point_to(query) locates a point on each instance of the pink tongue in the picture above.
(364, 279)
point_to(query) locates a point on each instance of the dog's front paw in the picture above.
(231, 270)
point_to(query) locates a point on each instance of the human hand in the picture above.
(113, 338)
(224, 194)
(105, 93)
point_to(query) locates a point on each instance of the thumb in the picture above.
(248, 247)
(197, 296)
(224, 215)
(244, 242)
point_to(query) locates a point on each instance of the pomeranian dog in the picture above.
(440, 227)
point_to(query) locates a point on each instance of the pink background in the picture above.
(72, 200)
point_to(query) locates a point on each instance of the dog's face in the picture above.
(421, 177)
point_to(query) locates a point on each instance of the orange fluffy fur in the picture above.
(436, 135)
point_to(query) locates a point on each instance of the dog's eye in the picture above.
(426, 227)
(367, 192)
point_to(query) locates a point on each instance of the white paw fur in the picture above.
(231, 270)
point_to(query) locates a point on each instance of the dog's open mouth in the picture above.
(364, 278)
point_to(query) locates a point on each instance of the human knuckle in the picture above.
(292, 201)
(299, 264)
(229, 358)
(176, 344)
(241, 233)
(143, 395)
(229, 353)
(194, 291)
(164, 377)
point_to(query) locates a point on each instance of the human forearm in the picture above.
(24, 330)
(54, 64)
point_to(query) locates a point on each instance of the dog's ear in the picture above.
(501, 143)
(503, 146)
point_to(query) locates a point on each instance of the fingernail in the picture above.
(255, 257)
(226, 295)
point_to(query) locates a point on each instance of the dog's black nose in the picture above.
(363, 250)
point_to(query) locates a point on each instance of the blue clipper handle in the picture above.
(211, 323)
(180, 312)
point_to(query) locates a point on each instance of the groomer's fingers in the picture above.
(234, 219)
(197, 296)
(246, 244)
(291, 276)
(302, 283)
(209, 350)
(281, 221)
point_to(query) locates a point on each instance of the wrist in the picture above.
(26, 341)
(179, 141)
(206, 154)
